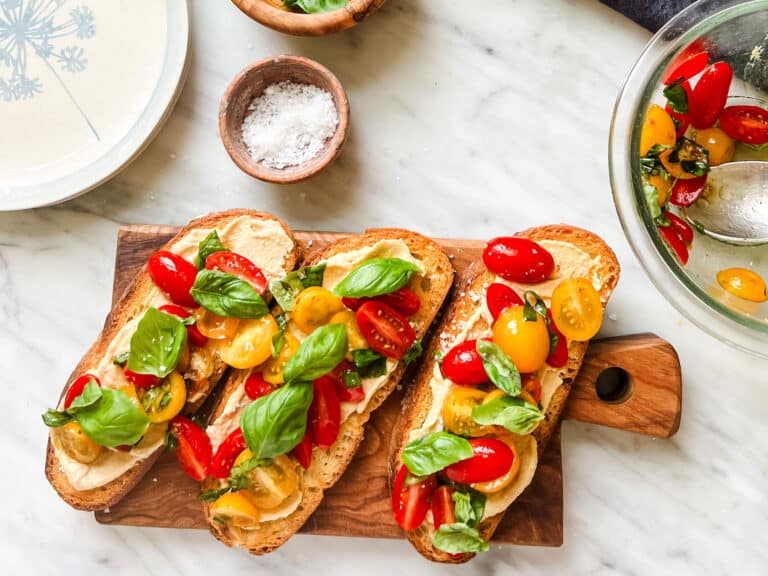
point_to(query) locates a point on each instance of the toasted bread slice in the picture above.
(204, 372)
(604, 268)
(328, 465)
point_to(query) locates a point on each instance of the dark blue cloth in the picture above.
(650, 14)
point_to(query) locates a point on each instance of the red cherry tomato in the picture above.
(709, 95)
(77, 388)
(675, 241)
(686, 192)
(443, 508)
(324, 418)
(745, 123)
(174, 276)
(345, 394)
(532, 385)
(685, 65)
(499, 297)
(463, 365)
(385, 329)
(681, 120)
(194, 447)
(411, 500)
(256, 386)
(303, 452)
(237, 265)
(492, 458)
(141, 380)
(518, 260)
(227, 453)
(559, 356)
(195, 336)
(402, 300)
(683, 228)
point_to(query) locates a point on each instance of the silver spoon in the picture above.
(734, 205)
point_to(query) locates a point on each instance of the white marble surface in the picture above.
(465, 123)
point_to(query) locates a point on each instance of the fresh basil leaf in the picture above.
(352, 379)
(54, 418)
(677, 96)
(286, 289)
(320, 353)
(209, 245)
(315, 6)
(500, 369)
(369, 363)
(435, 451)
(90, 395)
(274, 424)
(212, 495)
(114, 420)
(120, 359)
(227, 295)
(414, 352)
(439, 356)
(531, 310)
(695, 167)
(662, 220)
(157, 344)
(458, 538)
(514, 414)
(652, 199)
(376, 277)
(278, 339)
(469, 507)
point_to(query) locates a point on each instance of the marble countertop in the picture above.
(464, 123)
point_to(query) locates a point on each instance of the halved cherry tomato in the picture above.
(658, 129)
(463, 365)
(227, 452)
(355, 339)
(576, 309)
(174, 276)
(386, 330)
(236, 508)
(681, 120)
(274, 367)
(526, 342)
(324, 417)
(77, 388)
(240, 266)
(303, 452)
(163, 402)
(709, 95)
(683, 228)
(532, 386)
(345, 394)
(499, 297)
(491, 459)
(403, 300)
(272, 484)
(497, 484)
(76, 444)
(676, 242)
(194, 447)
(141, 380)
(256, 386)
(745, 123)
(685, 65)
(411, 497)
(559, 356)
(195, 336)
(744, 283)
(215, 327)
(314, 307)
(457, 411)
(443, 508)
(518, 260)
(717, 143)
(252, 345)
(686, 192)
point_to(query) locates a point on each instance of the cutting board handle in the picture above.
(640, 386)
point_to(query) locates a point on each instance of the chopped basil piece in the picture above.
(435, 451)
(238, 476)
(278, 340)
(54, 418)
(695, 167)
(375, 277)
(209, 245)
(287, 288)
(157, 344)
(352, 379)
(212, 495)
(458, 538)
(414, 352)
(120, 359)
(531, 310)
(652, 200)
(469, 507)
(369, 363)
(677, 96)
(227, 295)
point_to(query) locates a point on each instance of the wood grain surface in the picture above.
(358, 505)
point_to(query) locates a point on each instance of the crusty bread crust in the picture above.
(328, 466)
(418, 399)
(129, 306)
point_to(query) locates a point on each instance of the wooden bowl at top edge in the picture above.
(249, 84)
(269, 13)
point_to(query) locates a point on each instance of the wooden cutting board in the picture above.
(358, 505)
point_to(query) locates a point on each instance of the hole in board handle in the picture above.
(613, 385)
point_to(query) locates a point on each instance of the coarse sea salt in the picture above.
(289, 124)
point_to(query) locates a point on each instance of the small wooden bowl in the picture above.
(269, 13)
(249, 84)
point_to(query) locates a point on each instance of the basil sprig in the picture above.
(157, 344)
(514, 414)
(369, 363)
(435, 451)
(227, 295)
(209, 245)
(499, 367)
(108, 417)
(286, 289)
(315, 6)
(462, 536)
(375, 277)
(320, 353)
(677, 96)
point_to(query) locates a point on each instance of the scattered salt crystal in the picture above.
(309, 243)
(612, 316)
(154, 479)
(106, 510)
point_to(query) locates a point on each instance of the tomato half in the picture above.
(403, 300)
(411, 498)
(141, 380)
(501, 482)
(499, 297)
(685, 151)
(443, 508)
(683, 228)
(491, 459)
(686, 192)
(518, 260)
(457, 411)
(314, 307)
(324, 417)
(463, 365)
(174, 276)
(576, 309)
(385, 329)
(194, 447)
(303, 452)
(676, 242)
(227, 452)
(744, 283)
(685, 65)
(526, 342)
(256, 386)
(745, 123)
(559, 356)
(163, 402)
(195, 336)
(240, 266)
(77, 388)
(709, 95)
(76, 444)
(658, 129)
(717, 143)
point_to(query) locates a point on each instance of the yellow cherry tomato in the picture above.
(663, 187)
(130, 391)
(76, 444)
(236, 509)
(315, 307)
(457, 411)
(688, 150)
(273, 369)
(215, 327)
(719, 145)
(493, 394)
(658, 128)
(743, 283)
(526, 342)
(354, 336)
(498, 484)
(576, 309)
(271, 485)
(252, 345)
(163, 402)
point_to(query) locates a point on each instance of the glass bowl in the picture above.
(729, 30)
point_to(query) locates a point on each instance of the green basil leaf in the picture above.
(500, 369)
(209, 245)
(652, 199)
(54, 418)
(533, 306)
(227, 295)
(695, 167)
(414, 352)
(514, 414)
(315, 6)
(157, 344)
(439, 356)
(369, 363)
(90, 395)
(171, 442)
(286, 289)
(120, 359)
(352, 379)
(114, 420)
(458, 538)
(469, 507)
(212, 495)
(677, 97)
(278, 340)
(320, 353)
(376, 277)
(274, 424)
(435, 451)
(656, 150)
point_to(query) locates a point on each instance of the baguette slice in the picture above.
(201, 378)
(472, 294)
(328, 465)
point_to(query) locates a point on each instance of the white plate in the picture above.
(84, 87)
